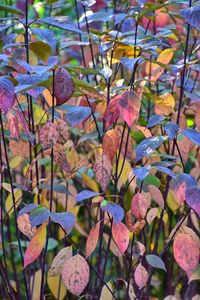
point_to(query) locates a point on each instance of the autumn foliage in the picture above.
(99, 149)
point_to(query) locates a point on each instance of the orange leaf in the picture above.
(92, 239)
(140, 276)
(186, 253)
(120, 234)
(35, 246)
(102, 170)
(75, 274)
(110, 143)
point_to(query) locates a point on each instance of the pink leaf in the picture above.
(139, 206)
(120, 234)
(75, 274)
(102, 170)
(156, 195)
(92, 239)
(140, 276)
(129, 107)
(186, 253)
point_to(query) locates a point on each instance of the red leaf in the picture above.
(6, 94)
(129, 107)
(140, 276)
(35, 246)
(92, 239)
(75, 274)
(64, 86)
(120, 234)
(186, 252)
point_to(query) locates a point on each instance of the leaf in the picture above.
(120, 235)
(85, 194)
(27, 208)
(129, 107)
(56, 287)
(112, 112)
(186, 253)
(75, 274)
(10, 9)
(105, 293)
(165, 104)
(35, 246)
(192, 197)
(35, 284)
(24, 225)
(140, 205)
(48, 135)
(64, 86)
(40, 49)
(154, 69)
(192, 135)
(141, 172)
(39, 114)
(155, 261)
(195, 274)
(114, 209)
(156, 195)
(191, 15)
(7, 90)
(171, 129)
(140, 276)
(57, 264)
(92, 239)
(151, 215)
(102, 170)
(61, 22)
(110, 143)
(39, 215)
(76, 115)
(148, 146)
(46, 35)
(66, 219)
(9, 205)
(154, 120)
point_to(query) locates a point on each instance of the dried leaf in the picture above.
(92, 239)
(75, 274)
(35, 246)
(102, 170)
(120, 235)
(25, 227)
(59, 260)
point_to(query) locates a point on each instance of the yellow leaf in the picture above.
(36, 284)
(14, 163)
(123, 50)
(9, 201)
(125, 172)
(164, 104)
(172, 201)
(40, 49)
(90, 183)
(55, 285)
(40, 117)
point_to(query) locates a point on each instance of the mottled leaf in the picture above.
(192, 197)
(6, 94)
(75, 274)
(110, 143)
(102, 170)
(140, 276)
(59, 260)
(64, 86)
(148, 145)
(129, 107)
(140, 205)
(154, 120)
(76, 115)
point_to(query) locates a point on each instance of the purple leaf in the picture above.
(27, 208)
(76, 115)
(142, 172)
(192, 197)
(192, 135)
(38, 215)
(154, 120)
(114, 209)
(7, 98)
(85, 194)
(147, 146)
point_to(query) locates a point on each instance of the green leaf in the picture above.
(40, 49)
(10, 9)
